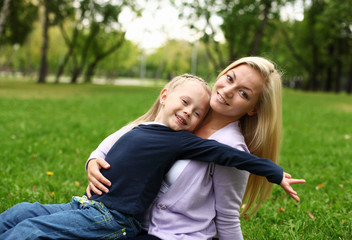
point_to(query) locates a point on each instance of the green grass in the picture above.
(53, 128)
(317, 146)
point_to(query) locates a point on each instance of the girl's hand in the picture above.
(96, 181)
(286, 185)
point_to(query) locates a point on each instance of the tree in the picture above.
(16, 20)
(86, 42)
(43, 62)
(321, 44)
(3, 14)
(58, 11)
(101, 50)
(243, 25)
(172, 59)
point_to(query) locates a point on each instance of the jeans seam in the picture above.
(132, 221)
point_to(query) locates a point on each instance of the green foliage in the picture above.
(124, 62)
(53, 128)
(320, 46)
(317, 49)
(19, 23)
(168, 61)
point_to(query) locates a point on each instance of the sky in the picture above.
(157, 24)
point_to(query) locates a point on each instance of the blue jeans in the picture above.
(66, 221)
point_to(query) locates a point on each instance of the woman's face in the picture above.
(236, 93)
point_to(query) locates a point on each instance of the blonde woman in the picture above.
(199, 200)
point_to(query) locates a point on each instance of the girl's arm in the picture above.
(209, 150)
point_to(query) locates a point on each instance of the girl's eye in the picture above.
(197, 114)
(229, 78)
(184, 101)
(244, 94)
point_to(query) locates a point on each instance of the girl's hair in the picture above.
(262, 132)
(150, 115)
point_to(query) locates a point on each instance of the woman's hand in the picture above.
(96, 181)
(286, 185)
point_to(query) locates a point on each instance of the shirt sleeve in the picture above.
(106, 144)
(229, 186)
(199, 149)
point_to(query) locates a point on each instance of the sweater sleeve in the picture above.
(229, 186)
(106, 144)
(199, 149)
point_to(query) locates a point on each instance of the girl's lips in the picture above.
(221, 99)
(180, 119)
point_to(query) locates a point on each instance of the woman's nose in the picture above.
(228, 91)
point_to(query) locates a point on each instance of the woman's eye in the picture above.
(244, 94)
(229, 78)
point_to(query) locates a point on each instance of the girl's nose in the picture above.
(187, 111)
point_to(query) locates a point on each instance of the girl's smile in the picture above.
(181, 120)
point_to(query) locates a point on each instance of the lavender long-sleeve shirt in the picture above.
(205, 199)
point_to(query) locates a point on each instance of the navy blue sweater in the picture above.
(140, 159)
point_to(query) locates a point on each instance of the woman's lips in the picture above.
(221, 99)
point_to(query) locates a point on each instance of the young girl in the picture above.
(139, 160)
(245, 110)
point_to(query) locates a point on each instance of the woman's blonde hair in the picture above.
(262, 132)
(175, 82)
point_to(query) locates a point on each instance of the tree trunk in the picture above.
(75, 75)
(70, 44)
(43, 63)
(78, 70)
(329, 77)
(338, 77)
(259, 34)
(3, 14)
(62, 66)
(349, 80)
(314, 84)
(99, 57)
(90, 72)
(339, 65)
(294, 53)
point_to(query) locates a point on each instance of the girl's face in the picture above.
(183, 107)
(236, 93)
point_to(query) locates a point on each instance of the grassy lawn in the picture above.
(48, 131)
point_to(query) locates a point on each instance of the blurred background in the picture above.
(101, 41)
